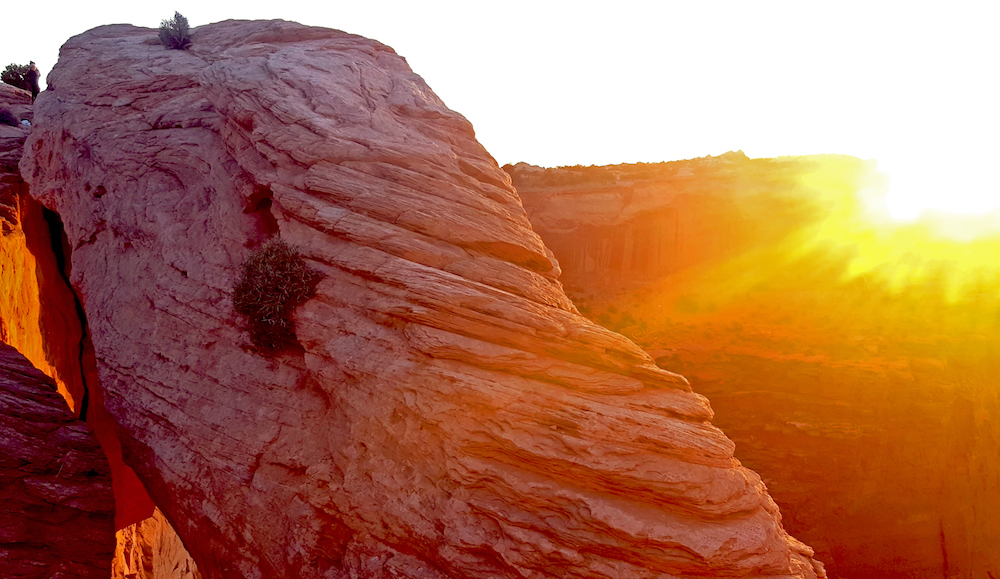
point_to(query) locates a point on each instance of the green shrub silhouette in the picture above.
(174, 32)
(14, 75)
(273, 281)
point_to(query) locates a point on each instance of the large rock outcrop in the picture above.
(56, 504)
(446, 412)
(852, 361)
(39, 314)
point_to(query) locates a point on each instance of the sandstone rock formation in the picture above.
(17, 101)
(446, 413)
(29, 272)
(56, 504)
(151, 549)
(39, 314)
(870, 410)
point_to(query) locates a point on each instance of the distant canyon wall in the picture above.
(151, 549)
(857, 378)
(642, 222)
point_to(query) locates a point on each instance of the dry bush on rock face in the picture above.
(174, 32)
(273, 281)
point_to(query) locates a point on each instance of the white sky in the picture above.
(915, 85)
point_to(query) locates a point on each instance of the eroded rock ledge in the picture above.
(56, 505)
(448, 412)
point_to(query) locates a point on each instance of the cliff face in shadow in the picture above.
(850, 358)
(56, 504)
(444, 411)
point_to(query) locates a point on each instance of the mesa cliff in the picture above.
(851, 360)
(445, 410)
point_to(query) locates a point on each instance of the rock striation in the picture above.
(56, 504)
(446, 411)
(39, 313)
(869, 410)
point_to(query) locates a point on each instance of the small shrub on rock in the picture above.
(16, 75)
(7, 118)
(174, 32)
(273, 281)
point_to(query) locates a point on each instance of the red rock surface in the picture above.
(17, 101)
(151, 549)
(29, 273)
(868, 403)
(38, 311)
(447, 413)
(56, 504)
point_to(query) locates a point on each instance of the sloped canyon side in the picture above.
(446, 411)
(852, 360)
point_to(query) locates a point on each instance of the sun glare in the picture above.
(910, 234)
(921, 187)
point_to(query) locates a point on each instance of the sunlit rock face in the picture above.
(446, 411)
(29, 273)
(852, 361)
(151, 549)
(56, 504)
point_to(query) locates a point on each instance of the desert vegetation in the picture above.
(273, 281)
(174, 32)
(16, 75)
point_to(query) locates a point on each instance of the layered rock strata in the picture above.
(627, 224)
(446, 411)
(39, 313)
(56, 504)
(866, 402)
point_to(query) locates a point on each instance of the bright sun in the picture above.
(954, 187)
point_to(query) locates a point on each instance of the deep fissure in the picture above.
(63, 252)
